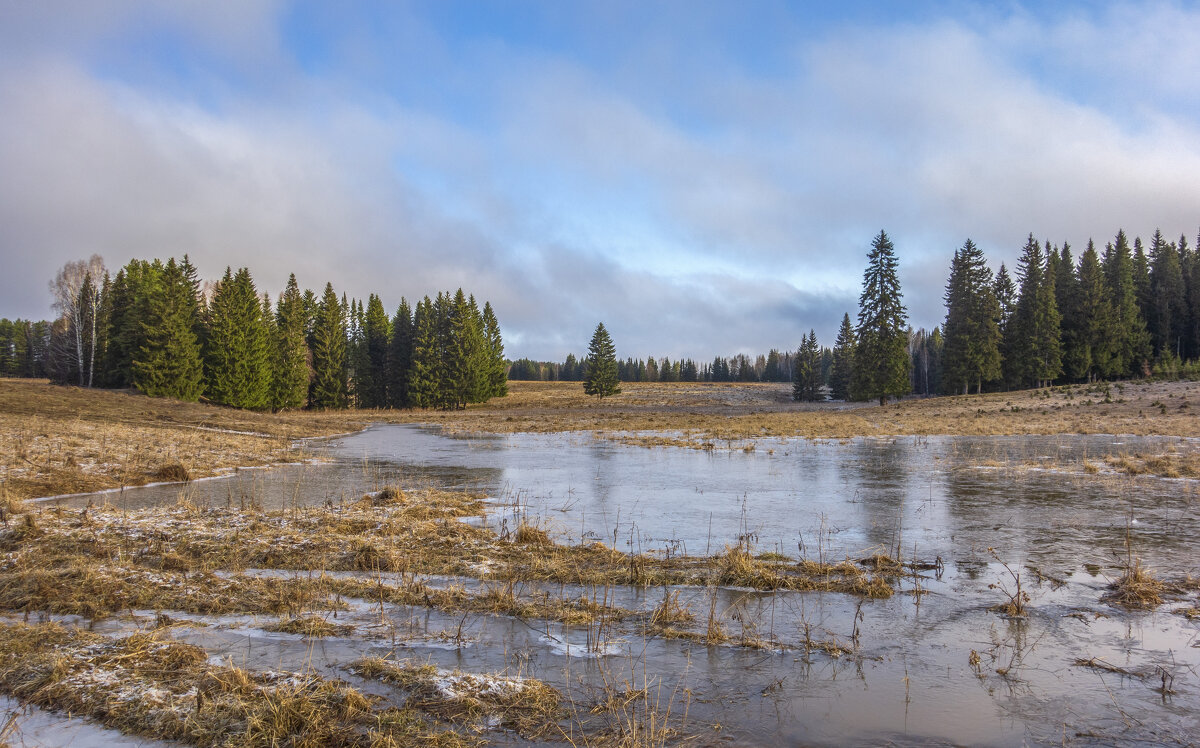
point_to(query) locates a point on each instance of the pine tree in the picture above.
(1131, 342)
(423, 377)
(168, 363)
(462, 354)
(1075, 358)
(399, 362)
(1036, 333)
(806, 379)
(881, 357)
(600, 366)
(1189, 261)
(972, 337)
(843, 361)
(329, 384)
(133, 288)
(1095, 316)
(237, 363)
(289, 387)
(376, 332)
(497, 381)
(1169, 294)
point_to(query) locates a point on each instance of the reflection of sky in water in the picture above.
(943, 497)
(792, 496)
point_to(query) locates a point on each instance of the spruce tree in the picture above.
(972, 337)
(1095, 316)
(806, 379)
(463, 354)
(291, 372)
(237, 361)
(881, 357)
(1131, 342)
(1169, 299)
(1075, 358)
(400, 352)
(843, 361)
(497, 381)
(168, 362)
(376, 331)
(329, 384)
(600, 366)
(1036, 342)
(423, 389)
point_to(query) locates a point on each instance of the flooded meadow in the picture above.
(972, 599)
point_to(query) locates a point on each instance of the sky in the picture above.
(703, 177)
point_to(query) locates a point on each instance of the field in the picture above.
(58, 440)
(110, 612)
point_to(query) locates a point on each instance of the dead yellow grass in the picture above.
(56, 440)
(146, 684)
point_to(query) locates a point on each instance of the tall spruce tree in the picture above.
(463, 354)
(168, 362)
(1169, 323)
(497, 380)
(423, 383)
(806, 379)
(237, 361)
(1075, 358)
(291, 372)
(971, 347)
(329, 383)
(376, 331)
(600, 366)
(1131, 342)
(1095, 316)
(840, 376)
(881, 357)
(400, 353)
(1036, 330)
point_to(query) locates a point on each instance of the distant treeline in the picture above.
(1130, 311)
(154, 327)
(775, 366)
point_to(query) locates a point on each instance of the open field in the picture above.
(127, 615)
(56, 440)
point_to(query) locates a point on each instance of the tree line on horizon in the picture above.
(154, 327)
(1126, 312)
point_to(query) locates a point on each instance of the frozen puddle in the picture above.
(31, 726)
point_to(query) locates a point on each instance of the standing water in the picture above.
(934, 663)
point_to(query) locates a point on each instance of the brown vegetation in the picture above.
(56, 440)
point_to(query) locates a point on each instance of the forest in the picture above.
(156, 327)
(1127, 311)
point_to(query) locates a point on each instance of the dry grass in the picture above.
(146, 684)
(1137, 588)
(309, 626)
(56, 440)
(527, 706)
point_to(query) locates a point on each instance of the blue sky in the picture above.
(703, 177)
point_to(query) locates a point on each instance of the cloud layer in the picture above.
(697, 195)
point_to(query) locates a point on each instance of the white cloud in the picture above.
(731, 212)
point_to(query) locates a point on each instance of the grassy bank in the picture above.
(56, 440)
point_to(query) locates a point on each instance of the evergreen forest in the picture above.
(156, 327)
(1127, 309)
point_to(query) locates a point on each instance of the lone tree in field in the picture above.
(600, 366)
(881, 356)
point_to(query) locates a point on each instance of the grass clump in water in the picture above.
(525, 705)
(309, 626)
(146, 684)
